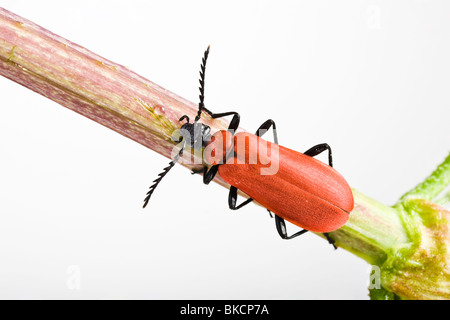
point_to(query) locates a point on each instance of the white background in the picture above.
(371, 78)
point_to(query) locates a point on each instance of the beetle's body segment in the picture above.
(304, 190)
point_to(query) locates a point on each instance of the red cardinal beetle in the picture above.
(298, 188)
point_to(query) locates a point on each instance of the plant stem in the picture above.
(372, 230)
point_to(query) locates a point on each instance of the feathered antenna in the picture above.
(162, 174)
(201, 105)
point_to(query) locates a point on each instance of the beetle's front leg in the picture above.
(234, 123)
(208, 175)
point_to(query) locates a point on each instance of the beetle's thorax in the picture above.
(196, 134)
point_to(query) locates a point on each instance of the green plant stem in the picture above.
(372, 230)
(432, 187)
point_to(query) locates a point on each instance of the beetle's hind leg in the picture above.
(282, 231)
(232, 199)
(208, 175)
(318, 149)
(330, 241)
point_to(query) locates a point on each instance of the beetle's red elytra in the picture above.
(303, 191)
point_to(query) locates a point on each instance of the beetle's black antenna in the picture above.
(162, 174)
(201, 105)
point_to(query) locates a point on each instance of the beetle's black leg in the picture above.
(314, 151)
(234, 123)
(330, 241)
(266, 126)
(281, 228)
(208, 175)
(232, 199)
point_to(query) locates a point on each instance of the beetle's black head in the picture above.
(195, 134)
